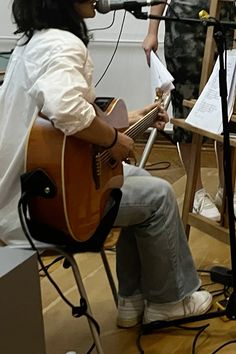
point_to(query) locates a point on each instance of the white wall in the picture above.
(6, 25)
(7, 41)
(128, 76)
(133, 30)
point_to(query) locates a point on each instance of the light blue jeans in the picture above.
(153, 256)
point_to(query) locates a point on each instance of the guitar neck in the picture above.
(142, 125)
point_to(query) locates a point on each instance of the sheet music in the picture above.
(160, 79)
(160, 76)
(206, 113)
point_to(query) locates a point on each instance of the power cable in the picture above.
(115, 50)
(104, 28)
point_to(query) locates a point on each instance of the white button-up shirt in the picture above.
(51, 74)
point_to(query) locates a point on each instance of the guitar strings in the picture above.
(133, 131)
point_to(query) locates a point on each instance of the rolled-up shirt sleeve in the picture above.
(64, 91)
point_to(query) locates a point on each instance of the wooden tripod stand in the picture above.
(217, 230)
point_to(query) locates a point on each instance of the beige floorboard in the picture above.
(64, 333)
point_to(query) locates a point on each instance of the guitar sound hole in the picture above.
(103, 102)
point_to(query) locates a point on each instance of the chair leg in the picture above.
(109, 276)
(83, 294)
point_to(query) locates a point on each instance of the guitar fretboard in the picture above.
(144, 123)
(133, 131)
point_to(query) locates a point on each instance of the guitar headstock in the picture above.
(160, 96)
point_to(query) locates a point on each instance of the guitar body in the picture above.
(83, 181)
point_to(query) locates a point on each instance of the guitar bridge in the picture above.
(101, 160)
(97, 167)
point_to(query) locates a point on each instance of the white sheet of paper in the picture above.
(206, 113)
(160, 76)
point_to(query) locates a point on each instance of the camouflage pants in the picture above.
(184, 49)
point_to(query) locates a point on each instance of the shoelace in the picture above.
(205, 203)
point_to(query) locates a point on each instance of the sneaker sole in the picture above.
(216, 218)
(123, 323)
(179, 317)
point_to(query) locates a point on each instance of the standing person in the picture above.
(183, 50)
(51, 71)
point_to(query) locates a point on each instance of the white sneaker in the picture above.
(219, 199)
(130, 310)
(196, 304)
(204, 205)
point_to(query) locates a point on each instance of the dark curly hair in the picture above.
(31, 15)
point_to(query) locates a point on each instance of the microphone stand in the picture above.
(219, 32)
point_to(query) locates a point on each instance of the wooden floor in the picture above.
(64, 333)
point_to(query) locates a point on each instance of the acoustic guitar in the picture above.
(84, 174)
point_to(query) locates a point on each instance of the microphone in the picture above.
(104, 6)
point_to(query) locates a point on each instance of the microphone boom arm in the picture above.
(189, 21)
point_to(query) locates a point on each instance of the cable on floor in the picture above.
(224, 291)
(223, 346)
(56, 260)
(200, 329)
(154, 166)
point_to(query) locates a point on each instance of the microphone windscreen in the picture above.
(103, 6)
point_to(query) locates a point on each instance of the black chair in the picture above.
(34, 183)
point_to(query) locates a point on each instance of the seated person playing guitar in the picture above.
(51, 71)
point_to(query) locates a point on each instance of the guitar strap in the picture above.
(33, 183)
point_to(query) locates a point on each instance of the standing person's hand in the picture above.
(150, 43)
(151, 40)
